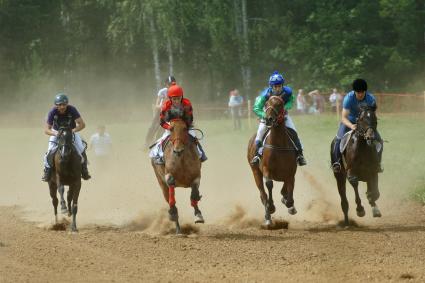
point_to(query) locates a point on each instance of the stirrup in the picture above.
(336, 167)
(204, 158)
(85, 175)
(301, 160)
(255, 160)
(159, 161)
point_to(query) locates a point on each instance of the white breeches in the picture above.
(157, 149)
(78, 144)
(262, 128)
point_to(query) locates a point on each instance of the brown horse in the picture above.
(67, 171)
(361, 163)
(278, 162)
(182, 168)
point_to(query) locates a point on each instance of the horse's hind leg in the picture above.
(359, 209)
(61, 190)
(258, 177)
(53, 195)
(373, 194)
(288, 195)
(195, 197)
(172, 212)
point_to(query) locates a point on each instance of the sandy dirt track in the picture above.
(394, 250)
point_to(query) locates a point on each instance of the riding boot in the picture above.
(84, 170)
(203, 156)
(46, 174)
(256, 157)
(300, 157)
(336, 156)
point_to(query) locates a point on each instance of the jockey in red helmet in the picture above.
(176, 107)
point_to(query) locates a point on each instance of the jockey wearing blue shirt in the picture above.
(350, 111)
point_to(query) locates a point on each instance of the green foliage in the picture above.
(318, 44)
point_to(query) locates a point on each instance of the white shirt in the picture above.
(162, 94)
(101, 144)
(235, 100)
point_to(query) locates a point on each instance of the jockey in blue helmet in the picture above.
(276, 87)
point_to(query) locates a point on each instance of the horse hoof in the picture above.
(361, 212)
(268, 223)
(199, 218)
(376, 212)
(292, 210)
(173, 217)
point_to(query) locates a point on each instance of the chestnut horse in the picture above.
(278, 162)
(361, 163)
(182, 168)
(66, 171)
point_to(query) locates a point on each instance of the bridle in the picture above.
(278, 116)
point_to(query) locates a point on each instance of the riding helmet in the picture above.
(175, 91)
(276, 79)
(359, 85)
(61, 98)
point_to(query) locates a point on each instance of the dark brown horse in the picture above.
(361, 163)
(182, 168)
(278, 162)
(67, 171)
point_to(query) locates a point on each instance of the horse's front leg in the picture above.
(195, 197)
(269, 204)
(172, 212)
(373, 194)
(340, 181)
(359, 209)
(288, 195)
(75, 191)
(53, 195)
(61, 190)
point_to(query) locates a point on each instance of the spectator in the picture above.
(301, 102)
(101, 143)
(335, 98)
(318, 105)
(235, 105)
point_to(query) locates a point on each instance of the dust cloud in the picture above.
(124, 192)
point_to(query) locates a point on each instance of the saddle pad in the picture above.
(344, 141)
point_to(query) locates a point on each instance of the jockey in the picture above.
(62, 112)
(176, 107)
(276, 87)
(350, 111)
(161, 97)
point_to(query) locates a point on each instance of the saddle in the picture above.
(346, 138)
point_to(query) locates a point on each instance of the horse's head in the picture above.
(275, 111)
(367, 123)
(179, 135)
(65, 141)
